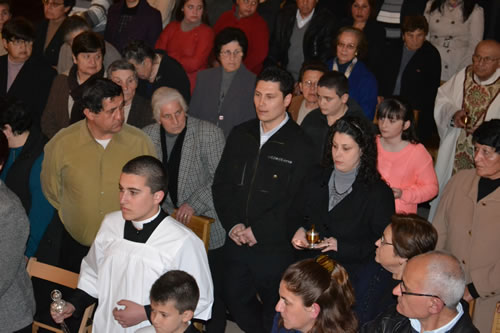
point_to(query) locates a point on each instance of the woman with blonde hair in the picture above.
(315, 296)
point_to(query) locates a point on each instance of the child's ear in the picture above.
(406, 125)
(187, 316)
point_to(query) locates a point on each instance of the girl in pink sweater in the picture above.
(404, 163)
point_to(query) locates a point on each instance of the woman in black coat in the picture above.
(350, 206)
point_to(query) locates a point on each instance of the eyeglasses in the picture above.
(19, 42)
(487, 60)
(383, 241)
(348, 46)
(402, 284)
(310, 84)
(227, 53)
(52, 4)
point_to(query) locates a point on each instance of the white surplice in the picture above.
(116, 268)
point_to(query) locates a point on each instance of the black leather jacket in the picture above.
(393, 322)
(318, 38)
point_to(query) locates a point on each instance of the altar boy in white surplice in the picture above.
(132, 249)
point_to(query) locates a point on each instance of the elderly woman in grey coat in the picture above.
(17, 305)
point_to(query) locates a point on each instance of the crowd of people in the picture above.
(311, 133)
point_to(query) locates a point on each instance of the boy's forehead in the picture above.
(328, 91)
(132, 180)
(167, 306)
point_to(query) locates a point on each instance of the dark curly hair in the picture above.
(363, 135)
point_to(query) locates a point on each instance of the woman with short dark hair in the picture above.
(224, 95)
(411, 69)
(406, 236)
(63, 105)
(467, 222)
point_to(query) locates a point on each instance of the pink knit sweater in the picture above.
(410, 170)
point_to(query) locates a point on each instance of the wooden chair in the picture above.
(63, 277)
(496, 320)
(200, 226)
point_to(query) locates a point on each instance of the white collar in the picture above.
(140, 224)
(301, 22)
(492, 79)
(415, 323)
(265, 136)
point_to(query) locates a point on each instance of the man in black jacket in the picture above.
(428, 298)
(303, 32)
(262, 167)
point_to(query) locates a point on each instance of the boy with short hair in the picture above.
(173, 300)
(333, 104)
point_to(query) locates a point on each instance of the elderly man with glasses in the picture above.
(428, 298)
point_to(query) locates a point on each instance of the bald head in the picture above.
(442, 276)
(486, 59)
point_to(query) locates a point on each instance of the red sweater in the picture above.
(190, 48)
(257, 32)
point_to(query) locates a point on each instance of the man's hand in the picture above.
(458, 118)
(299, 240)
(234, 234)
(132, 315)
(67, 312)
(247, 236)
(184, 213)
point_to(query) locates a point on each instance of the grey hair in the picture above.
(164, 95)
(445, 277)
(121, 64)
